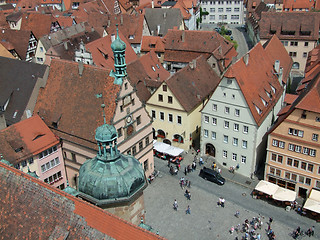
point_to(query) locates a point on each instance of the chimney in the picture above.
(280, 75)
(152, 4)
(158, 77)
(92, 29)
(3, 123)
(183, 36)
(246, 59)
(158, 30)
(277, 66)
(80, 68)
(113, 37)
(193, 64)
(109, 22)
(121, 19)
(65, 44)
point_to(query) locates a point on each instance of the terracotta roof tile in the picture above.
(5, 53)
(313, 60)
(102, 53)
(146, 72)
(184, 45)
(32, 134)
(192, 84)
(80, 117)
(290, 98)
(152, 43)
(290, 25)
(260, 66)
(183, 9)
(58, 215)
(18, 39)
(301, 4)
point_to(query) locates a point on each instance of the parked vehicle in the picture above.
(229, 32)
(211, 175)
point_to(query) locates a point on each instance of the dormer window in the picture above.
(264, 102)
(131, 36)
(273, 89)
(153, 68)
(268, 94)
(258, 109)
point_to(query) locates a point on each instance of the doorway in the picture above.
(302, 192)
(210, 150)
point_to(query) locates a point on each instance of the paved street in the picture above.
(207, 221)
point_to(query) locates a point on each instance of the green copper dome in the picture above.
(118, 45)
(110, 176)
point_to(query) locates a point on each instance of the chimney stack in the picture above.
(121, 19)
(246, 59)
(183, 36)
(277, 66)
(65, 44)
(80, 68)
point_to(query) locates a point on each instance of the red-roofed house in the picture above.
(301, 5)
(244, 106)
(182, 46)
(293, 144)
(175, 106)
(44, 212)
(32, 147)
(102, 54)
(154, 43)
(86, 87)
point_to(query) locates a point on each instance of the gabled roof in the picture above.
(17, 85)
(185, 45)
(152, 43)
(64, 21)
(313, 60)
(63, 34)
(102, 53)
(290, 25)
(4, 52)
(26, 5)
(30, 21)
(301, 4)
(157, 4)
(66, 50)
(193, 84)
(58, 214)
(19, 40)
(165, 18)
(146, 72)
(82, 115)
(257, 79)
(184, 10)
(25, 139)
(131, 26)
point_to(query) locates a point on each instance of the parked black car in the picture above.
(211, 175)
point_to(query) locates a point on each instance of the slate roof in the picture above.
(63, 34)
(66, 50)
(260, 66)
(82, 115)
(152, 43)
(58, 214)
(167, 18)
(303, 25)
(102, 53)
(31, 134)
(17, 85)
(193, 84)
(194, 44)
(19, 40)
(146, 72)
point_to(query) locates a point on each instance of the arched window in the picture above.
(295, 65)
(177, 138)
(161, 134)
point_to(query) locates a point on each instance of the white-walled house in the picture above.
(244, 106)
(222, 11)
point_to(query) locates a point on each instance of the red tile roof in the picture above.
(152, 43)
(102, 54)
(193, 84)
(301, 4)
(80, 117)
(146, 72)
(290, 98)
(32, 134)
(260, 66)
(45, 212)
(17, 39)
(290, 25)
(184, 45)
(313, 60)
(184, 10)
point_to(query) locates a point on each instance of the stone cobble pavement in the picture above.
(207, 221)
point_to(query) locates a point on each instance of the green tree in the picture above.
(202, 13)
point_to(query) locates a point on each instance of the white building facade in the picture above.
(223, 12)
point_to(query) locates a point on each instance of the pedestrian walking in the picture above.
(168, 162)
(178, 166)
(222, 202)
(188, 210)
(219, 170)
(189, 184)
(175, 205)
(200, 161)
(185, 171)
(270, 220)
(231, 230)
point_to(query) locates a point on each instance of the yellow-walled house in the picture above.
(293, 144)
(175, 106)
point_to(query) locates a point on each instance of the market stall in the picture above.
(167, 152)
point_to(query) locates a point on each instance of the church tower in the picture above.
(119, 48)
(111, 180)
